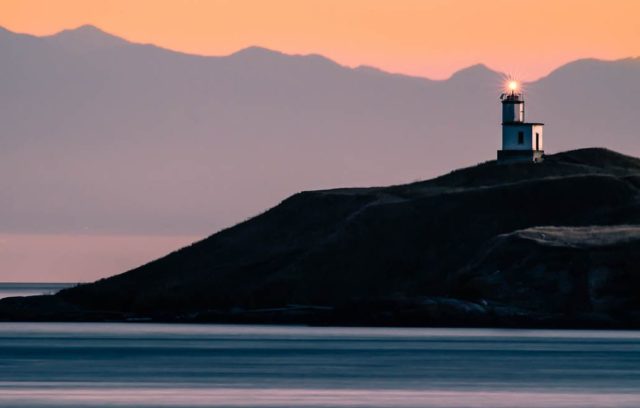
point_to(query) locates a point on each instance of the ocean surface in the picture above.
(158, 365)
(28, 289)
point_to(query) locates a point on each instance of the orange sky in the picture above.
(430, 38)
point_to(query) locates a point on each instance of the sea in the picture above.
(29, 289)
(183, 365)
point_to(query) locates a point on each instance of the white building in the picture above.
(521, 141)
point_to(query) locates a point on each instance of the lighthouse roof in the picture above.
(512, 98)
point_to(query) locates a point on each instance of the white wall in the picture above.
(538, 129)
(513, 112)
(510, 137)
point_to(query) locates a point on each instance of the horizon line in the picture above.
(312, 54)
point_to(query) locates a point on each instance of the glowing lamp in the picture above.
(513, 85)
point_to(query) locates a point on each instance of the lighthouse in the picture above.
(521, 141)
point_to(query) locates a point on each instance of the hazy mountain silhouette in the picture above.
(100, 134)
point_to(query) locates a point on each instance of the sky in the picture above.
(429, 38)
(75, 258)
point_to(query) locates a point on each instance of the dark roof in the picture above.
(521, 123)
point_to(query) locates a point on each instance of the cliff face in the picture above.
(592, 271)
(550, 244)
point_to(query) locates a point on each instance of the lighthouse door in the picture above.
(537, 141)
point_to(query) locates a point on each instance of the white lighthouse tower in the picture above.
(521, 141)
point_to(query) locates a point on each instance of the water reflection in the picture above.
(140, 365)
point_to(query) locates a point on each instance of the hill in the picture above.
(553, 244)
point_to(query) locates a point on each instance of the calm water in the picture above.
(150, 365)
(28, 289)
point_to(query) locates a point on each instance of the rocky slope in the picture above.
(555, 244)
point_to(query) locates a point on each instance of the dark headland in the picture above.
(555, 244)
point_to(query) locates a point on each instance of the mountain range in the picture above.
(99, 134)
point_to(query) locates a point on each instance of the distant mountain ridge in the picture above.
(177, 143)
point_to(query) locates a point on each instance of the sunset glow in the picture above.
(116, 153)
(425, 38)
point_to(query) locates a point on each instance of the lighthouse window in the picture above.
(520, 137)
